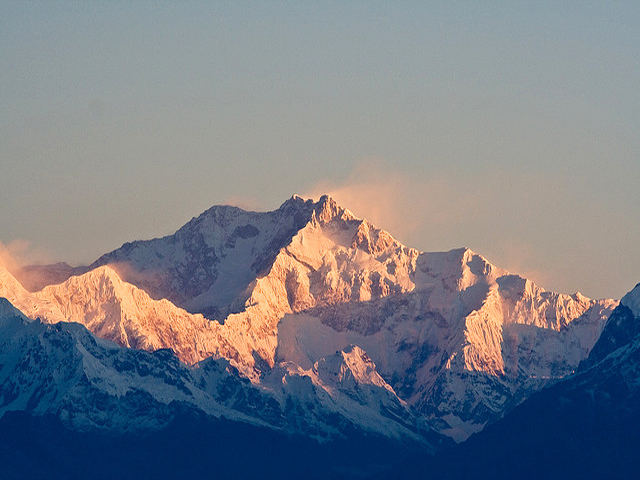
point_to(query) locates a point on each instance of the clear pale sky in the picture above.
(512, 128)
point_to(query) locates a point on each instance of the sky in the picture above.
(512, 128)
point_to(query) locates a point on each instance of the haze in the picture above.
(508, 127)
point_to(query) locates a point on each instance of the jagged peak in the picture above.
(579, 297)
(352, 357)
(104, 271)
(348, 365)
(296, 205)
(476, 263)
(356, 353)
(467, 254)
(373, 240)
(223, 214)
(96, 276)
(323, 211)
(326, 210)
(295, 200)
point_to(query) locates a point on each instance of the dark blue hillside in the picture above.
(192, 446)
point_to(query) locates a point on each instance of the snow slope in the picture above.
(89, 383)
(632, 301)
(31, 305)
(466, 344)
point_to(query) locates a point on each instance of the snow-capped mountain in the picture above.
(118, 311)
(63, 369)
(622, 332)
(450, 338)
(208, 264)
(28, 303)
(122, 313)
(585, 426)
(466, 344)
(90, 383)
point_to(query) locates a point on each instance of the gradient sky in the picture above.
(512, 128)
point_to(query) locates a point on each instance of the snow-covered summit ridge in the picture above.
(632, 301)
(208, 264)
(351, 365)
(120, 312)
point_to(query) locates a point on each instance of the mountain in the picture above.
(467, 343)
(117, 311)
(452, 341)
(121, 312)
(260, 266)
(63, 370)
(208, 264)
(28, 303)
(585, 426)
(69, 401)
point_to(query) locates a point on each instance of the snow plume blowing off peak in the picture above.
(15, 254)
(397, 202)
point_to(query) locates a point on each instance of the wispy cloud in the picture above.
(521, 221)
(18, 253)
(402, 202)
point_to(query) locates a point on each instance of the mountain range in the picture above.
(306, 322)
(585, 426)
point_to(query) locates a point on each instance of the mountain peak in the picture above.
(327, 209)
(348, 366)
(324, 210)
(103, 275)
(621, 330)
(296, 202)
